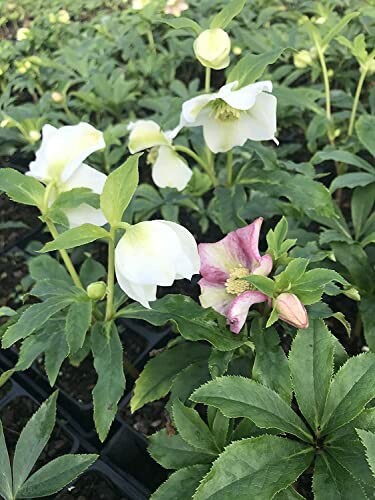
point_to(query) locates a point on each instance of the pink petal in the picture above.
(249, 240)
(265, 266)
(214, 295)
(239, 308)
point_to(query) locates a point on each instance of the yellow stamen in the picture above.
(234, 284)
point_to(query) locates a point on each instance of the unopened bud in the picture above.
(57, 97)
(23, 34)
(291, 310)
(237, 51)
(97, 290)
(212, 48)
(140, 4)
(302, 59)
(63, 16)
(34, 135)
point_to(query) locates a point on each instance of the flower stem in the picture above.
(111, 275)
(230, 168)
(206, 168)
(65, 257)
(210, 157)
(327, 90)
(151, 41)
(356, 99)
(207, 80)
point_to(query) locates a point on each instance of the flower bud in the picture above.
(34, 135)
(212, 48)
(302, 59)
(97, 290)
(57, 97)
(291, 310)
(23, 34)
(139, 4)
(63, 16)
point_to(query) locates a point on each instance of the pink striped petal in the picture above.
(265, 266)
(214, 295)
(239, 308)
(249, 240)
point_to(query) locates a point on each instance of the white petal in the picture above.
(192, 108)
(170, 170)
(145, 134)
(87, 177)
(146, 254)
(141, 293)
(222, 136)
(246, 97)
(260, 120)
(187, 261)
(85, 214)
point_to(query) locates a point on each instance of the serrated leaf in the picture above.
(332, 481)
(5, 470)
(21, 188)
(78, 321)
(270, 365)
(192, 321)
(54, 476)
(46, 267)
(352, 388)
(311, 366)
(172, 452)
(108, 362)
(192, 429)
(55, 352)
(218, 362)
(76, 237)
(255, 465)
(262, 283)
(119, 189)
(157, 377)
(365, 128)
(181, 484)
(368, 440)
(32, 440)
(240, 397)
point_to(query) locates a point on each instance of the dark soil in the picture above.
(14, 417)
(92, 486)
(23, 219)
(12, 269)
(5, 389)
(151, 418)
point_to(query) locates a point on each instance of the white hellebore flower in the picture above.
(212, 48)
(59, 162)
(154, 253)
(169, 169)
(229, 117)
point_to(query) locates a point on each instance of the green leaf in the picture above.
(75, 197)
(172, 452)
(76, 237)
(192, 321)
(54, 476)
(365, 128)
(352, 388)
(189, 379)
(288, 494)
(157, 377)
(361, 205)
(256, 465)
(184, 23)
(226, 206)
(5, 470)
(55, 352)
(352, 180)
(108, 362)
(270, 365)
(218, 362)
(337, 28)
(368, 440)
(252, 66)
(34, 317)
(192, 429)
(291, 274)
(366, 308)
(241, 397)
(32, 440)
(262, 283)
(21, 188)
(91, 271)
(7, 311)
(78, 321)
(229, 12)
(311, 365)
(119, 189)
(331, 481)
(46, 267)
(356, 261)
(342, 157)
(181, 484)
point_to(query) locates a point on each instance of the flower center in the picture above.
(224, 111)
(234, 284)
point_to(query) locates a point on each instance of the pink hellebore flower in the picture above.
(291, 310)
(223, 264)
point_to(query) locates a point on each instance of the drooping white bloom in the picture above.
(140, 4)
(175, 7)
(229, 117)
(154, 253)
(212, 48)
(59, 161)
(169, 169)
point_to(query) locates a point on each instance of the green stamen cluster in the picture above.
(224, 112)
